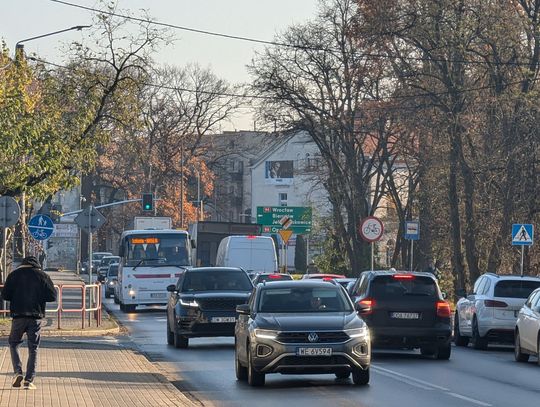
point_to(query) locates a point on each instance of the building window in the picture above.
(282, 199)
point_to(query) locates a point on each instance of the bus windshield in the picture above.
(155, 250)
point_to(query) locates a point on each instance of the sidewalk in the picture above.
(89, 373)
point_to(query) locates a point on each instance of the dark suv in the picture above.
(294, 327)
(404, 310)
(203, 303)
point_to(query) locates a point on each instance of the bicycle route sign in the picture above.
(41, 227)
(371, 229)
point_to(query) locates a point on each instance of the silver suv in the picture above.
(301, 327)
(490, 312)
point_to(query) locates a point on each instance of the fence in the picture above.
(90, 303)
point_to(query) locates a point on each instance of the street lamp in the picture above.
(19, 47)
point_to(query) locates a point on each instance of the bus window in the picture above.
(156, 250)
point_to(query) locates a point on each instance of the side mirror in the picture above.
(461, 292)
(243, 309)
(444, 295)
(362, 308)
(171, 288)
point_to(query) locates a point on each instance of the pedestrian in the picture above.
(27, 289)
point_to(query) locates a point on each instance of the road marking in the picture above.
(434, 386)
(425, 385)
(459, 396)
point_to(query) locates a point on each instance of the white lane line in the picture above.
(470, 400)
(425, 385)
(434, 386)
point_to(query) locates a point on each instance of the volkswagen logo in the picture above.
(313, 337)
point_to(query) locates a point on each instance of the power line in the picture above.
(274, 98)
(367, 55)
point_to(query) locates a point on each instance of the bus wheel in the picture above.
(129, 308)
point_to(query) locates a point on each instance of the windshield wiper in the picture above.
(143, 260)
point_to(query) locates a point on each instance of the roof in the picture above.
(153, 231)
(207, 269)
(511, 277)
(298, 283)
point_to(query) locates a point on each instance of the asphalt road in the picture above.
(470, 378)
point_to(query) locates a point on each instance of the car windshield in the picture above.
(515, 288)
(157, 250)
(108, 260)
(216, 280)
(394, 287)
(303, 299)
(113, 271)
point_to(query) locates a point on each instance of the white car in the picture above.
(527, 333)
(489, 313)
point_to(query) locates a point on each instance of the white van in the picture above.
(252, 253)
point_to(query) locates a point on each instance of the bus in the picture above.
(150, 260)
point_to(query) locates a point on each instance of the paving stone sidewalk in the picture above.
(89, 373)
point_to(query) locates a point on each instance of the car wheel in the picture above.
(360, 376)
(343, 375)
(170, 334)
(254, 378)
(180, 341)
(241, 371)
(477, 341)
(459, 340)
(443, 351)
(518, 355)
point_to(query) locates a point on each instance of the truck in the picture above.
(206, 236)
(152, 222)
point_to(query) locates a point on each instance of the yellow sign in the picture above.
(285, 234)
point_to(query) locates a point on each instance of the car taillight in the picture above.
(274, 276)
(368, 302)
(495, 304)
(327, 278)
(443, 309)
(403, 276)
(252, 237)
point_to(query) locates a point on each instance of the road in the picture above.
(470, 378)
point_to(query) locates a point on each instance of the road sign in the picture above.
(9, 211)
(41, 227)
(285, 222)
(90, 219)
(371, 229)
(270, 217)
(522, 234)
(412, 230)
(285, 234)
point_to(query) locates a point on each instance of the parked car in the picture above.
(261, 277)
(251, 253)
(527, 332)
(405, 310)
(111, 279)
(104, 266)
(301, 327)
(322, 276)
(203, 303)
(490, 312)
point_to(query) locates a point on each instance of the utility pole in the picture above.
(182, 183)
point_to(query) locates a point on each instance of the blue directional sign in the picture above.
(412, 230)
(41, 227)
(522, 234)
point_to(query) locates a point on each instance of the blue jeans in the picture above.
(32, 328)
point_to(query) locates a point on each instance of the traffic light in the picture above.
(147, 202)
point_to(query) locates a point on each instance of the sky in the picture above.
(227, 58)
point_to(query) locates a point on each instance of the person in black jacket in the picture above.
(27, 289)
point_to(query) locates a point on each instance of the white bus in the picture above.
(150, 260)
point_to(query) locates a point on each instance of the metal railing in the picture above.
(90, 293)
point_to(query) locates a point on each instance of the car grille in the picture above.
(220, 304)
(313, 360)
(323, 337)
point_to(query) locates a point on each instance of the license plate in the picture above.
(223, 319)
(158, 295)
(314, 351)
(405, 315)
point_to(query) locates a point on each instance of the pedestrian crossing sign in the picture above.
(522, 234)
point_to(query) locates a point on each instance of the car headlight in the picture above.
(189, 303)
(265, 333)
(131, 293)
(358, 332)
(111, 282)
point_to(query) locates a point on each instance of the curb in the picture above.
(73, 332)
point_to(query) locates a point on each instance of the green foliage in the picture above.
(332, 259)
